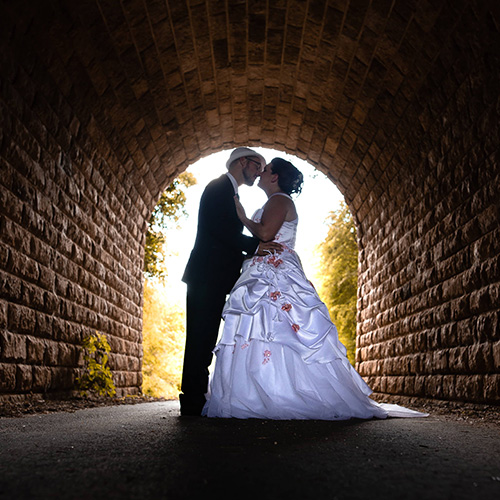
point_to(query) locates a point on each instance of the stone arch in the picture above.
(104, 103)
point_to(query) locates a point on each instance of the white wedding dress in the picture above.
(279, 356)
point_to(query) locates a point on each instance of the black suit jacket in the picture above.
(220, 246)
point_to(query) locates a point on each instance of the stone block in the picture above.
(480, 301)
(449, 387)
(46, 278)
(41, 378)
(4, 254)
(488, 326)
(419, 385)
(434, 387)
(3, 314)
(13, 346)
(460, 388)
(465, 331)
(24, 378)
(62, 378)
(34, 297)
(35, 350)
(134, 363)
(409, 386)
(21, 319)
(415, 364)
(44, 325)
(52, 303)
(118, 362)
(491, 387)
(440, 361)
(495, 351)
(59, 329)
(458, 360)
(7, 377)
(449, 335)
(474, 388)
(480, 359)
(10, 287)
(394, 385)
(67, 354)
(51, 353)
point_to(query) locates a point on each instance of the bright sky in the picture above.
(318, 198)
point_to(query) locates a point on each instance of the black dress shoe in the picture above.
(191, 407)
(190, 412)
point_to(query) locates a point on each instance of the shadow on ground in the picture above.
(148, 451)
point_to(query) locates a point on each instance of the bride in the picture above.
(279, 356)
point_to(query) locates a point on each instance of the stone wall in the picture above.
(429, 275)
(72, 226)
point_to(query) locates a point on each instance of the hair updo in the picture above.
(290, 179)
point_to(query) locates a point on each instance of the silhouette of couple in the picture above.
(279, 356)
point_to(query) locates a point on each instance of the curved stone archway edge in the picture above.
(104, 103)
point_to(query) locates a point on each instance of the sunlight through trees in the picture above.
(339, 279)
(163, 343)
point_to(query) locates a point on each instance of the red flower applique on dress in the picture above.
(274, 295)
(295, 327)
(267, 357)
(274, 261)
(286, 307)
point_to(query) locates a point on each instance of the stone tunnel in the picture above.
(103, 103)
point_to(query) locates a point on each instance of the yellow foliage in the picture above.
(97, 376)
(339, 279)
(163, 343)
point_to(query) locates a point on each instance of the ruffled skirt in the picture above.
(280, 357)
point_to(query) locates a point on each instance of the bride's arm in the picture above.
(272, 218)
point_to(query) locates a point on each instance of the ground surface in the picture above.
(469, 412)
(146, 450)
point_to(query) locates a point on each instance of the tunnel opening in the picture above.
(164, 296)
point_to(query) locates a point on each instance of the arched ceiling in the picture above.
(167, 82)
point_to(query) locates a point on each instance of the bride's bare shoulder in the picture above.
(282, 204)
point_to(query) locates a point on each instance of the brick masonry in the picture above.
(103, 103)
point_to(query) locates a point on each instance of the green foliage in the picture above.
(163, 343)
(169, 209)
(339, 263)
(97, 377)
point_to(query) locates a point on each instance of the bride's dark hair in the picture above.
(290, 179)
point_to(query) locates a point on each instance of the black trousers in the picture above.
(203, 315)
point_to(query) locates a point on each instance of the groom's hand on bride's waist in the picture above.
(266, 247)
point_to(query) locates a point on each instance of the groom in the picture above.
(212, 270)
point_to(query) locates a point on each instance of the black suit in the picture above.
(212, 270)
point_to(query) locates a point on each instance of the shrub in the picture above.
(97, 377)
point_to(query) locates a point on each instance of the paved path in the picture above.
(147, 451)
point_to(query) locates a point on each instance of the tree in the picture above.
(163, 323)
(163, 343)
(168, 211)
(339, 262)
